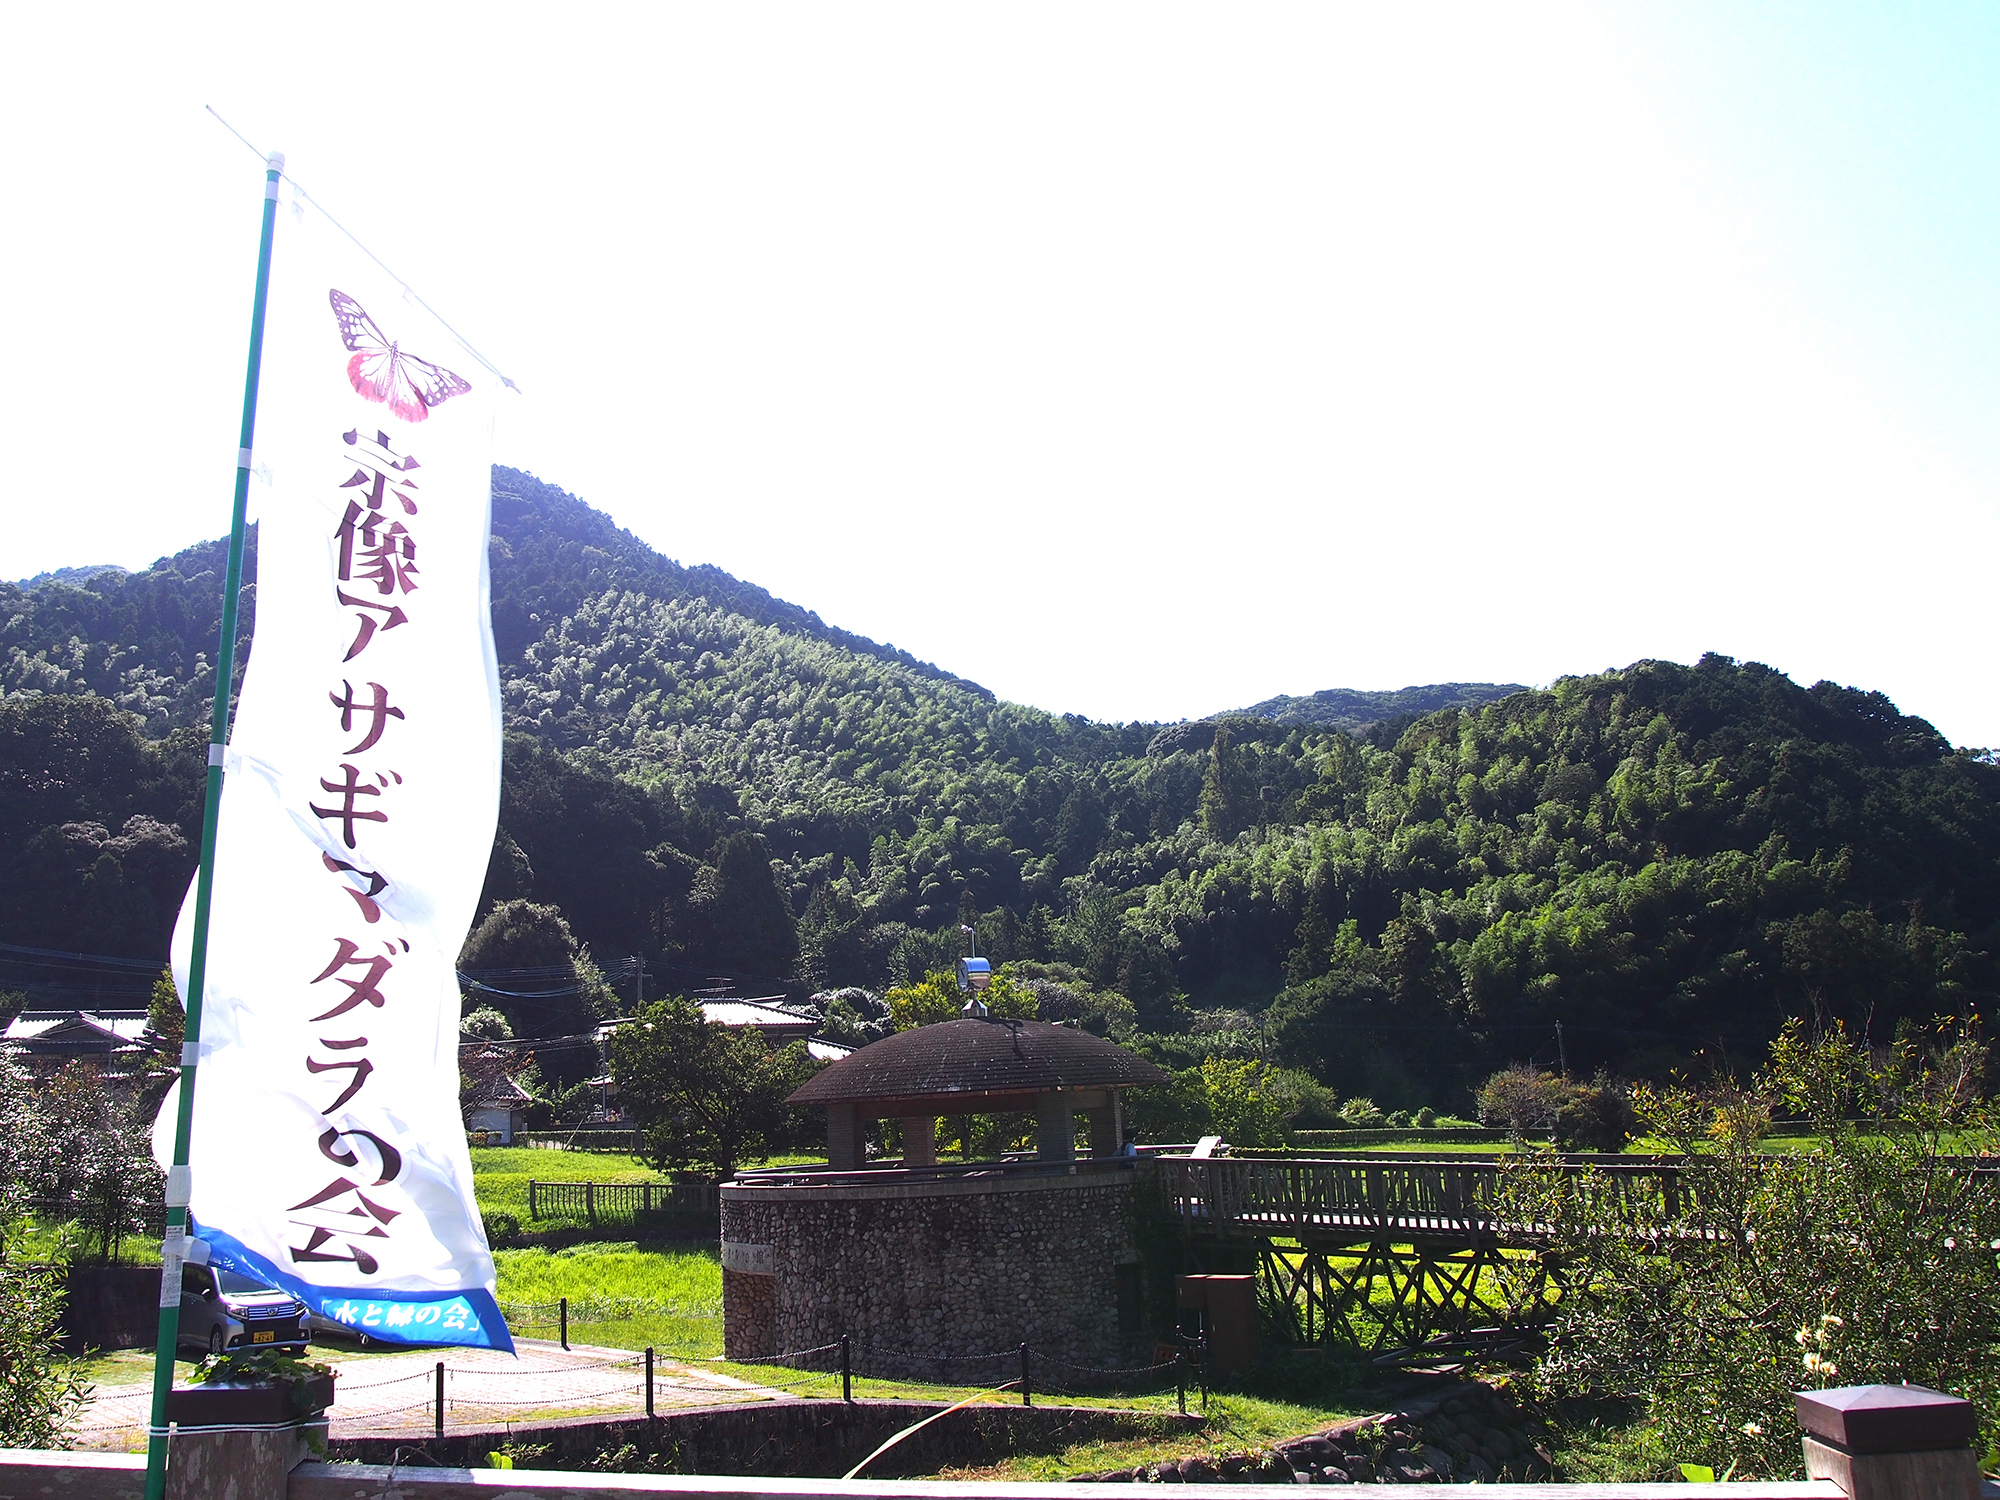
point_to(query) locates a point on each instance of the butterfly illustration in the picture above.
(382, 372)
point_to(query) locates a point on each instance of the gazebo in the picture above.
(979, 1065)
(919, 1262)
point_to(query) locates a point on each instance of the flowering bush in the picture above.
(1875, 1257)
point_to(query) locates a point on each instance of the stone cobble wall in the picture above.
(928, 1280)
(749, 1315)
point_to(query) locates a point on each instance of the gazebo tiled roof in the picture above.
(983, 1058)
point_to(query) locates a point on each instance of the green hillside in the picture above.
(1355, 711)
(1667, 859)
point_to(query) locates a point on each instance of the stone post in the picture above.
(251, 1462)
(846, 1138)
(920, 1141)
(1891, 1442)
(1055, 1128)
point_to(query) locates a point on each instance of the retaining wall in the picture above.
(921, 1273)
(814, 1439)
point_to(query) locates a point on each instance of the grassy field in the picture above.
(624, 1294)
(500, 1176)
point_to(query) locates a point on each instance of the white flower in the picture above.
(1752, 1429)
(1812, 1361)
(1950, 1243)
(1829, 1320)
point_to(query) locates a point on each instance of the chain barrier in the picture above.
(999, 1369)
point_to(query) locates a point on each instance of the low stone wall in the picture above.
(925, 1276)
(811, 1439)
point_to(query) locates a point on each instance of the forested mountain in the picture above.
(1353, 711)
(1666, 859)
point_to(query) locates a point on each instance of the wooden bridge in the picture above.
(1396, 1253)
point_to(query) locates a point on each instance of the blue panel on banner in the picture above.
(469, 1317)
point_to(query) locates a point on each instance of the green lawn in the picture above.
(622, 1294)
(500, 1176)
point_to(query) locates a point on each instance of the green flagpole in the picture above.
(173, 1249)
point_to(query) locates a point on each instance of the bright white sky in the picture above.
(1138, 360)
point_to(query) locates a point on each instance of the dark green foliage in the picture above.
(739, 914)
(42, 1396)
(1344, 708)
(1666, 859)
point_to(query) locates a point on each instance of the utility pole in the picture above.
(1562, 1056)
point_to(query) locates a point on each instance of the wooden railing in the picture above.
(592, 1200)
(1413, 1196)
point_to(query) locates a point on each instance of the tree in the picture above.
(703, 1094)
(41, 1392)
(96, 1157)
(166, 1029)
(531, 945)
(1228, 800)
(487, 1025)
(745, 920)
(1522, 1098)
(937, 998)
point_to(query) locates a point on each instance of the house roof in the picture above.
(502, 1093)
(984, 1056)
(59, 1031)
(764, 1014)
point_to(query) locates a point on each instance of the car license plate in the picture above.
(265, 1336)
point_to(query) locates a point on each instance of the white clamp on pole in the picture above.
(175, 1248)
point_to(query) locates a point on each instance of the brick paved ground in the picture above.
(388, 1395)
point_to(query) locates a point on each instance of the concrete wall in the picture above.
(111, 1307)
(921, 1273)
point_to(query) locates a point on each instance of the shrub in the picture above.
(1523, 1099)
(502, 1230)
(1873, 1258)
(1362, 1114)
(1595, 1117)
(1426, 1118)
(43, 1393)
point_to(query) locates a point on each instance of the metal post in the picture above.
(172, 1249)
(437, 1421)
(562, 1312)
(590, 1200)
(649, 1380)
(1025, 1400)
(846, 1370)
(534, 1208)
(1180, 1381)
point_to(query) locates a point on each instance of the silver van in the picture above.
(221, 1310)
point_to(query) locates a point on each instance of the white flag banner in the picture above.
(360, 790)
